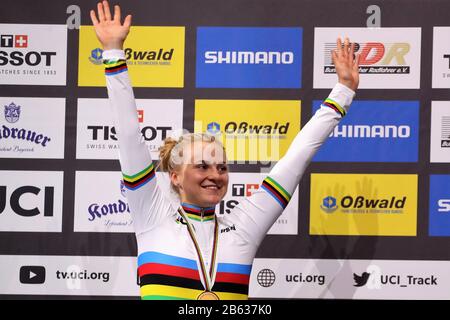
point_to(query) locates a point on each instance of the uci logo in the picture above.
(20, 196)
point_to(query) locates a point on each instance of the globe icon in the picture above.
(266, 278)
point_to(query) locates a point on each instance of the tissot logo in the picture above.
(97, 136)
(447, 56)
(441, 57)
(243, 190)
(243, 186)
(19, 58)
(32, 274)
(106, 133)
(13, 41)
(33, 54)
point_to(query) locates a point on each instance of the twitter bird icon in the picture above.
(361, 280)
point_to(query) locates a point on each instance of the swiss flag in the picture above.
(140, 116)
(21, 41)
(250, 188)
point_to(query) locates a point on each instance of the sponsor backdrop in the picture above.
(369, 220)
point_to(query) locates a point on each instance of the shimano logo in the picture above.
(375, 131)
(444, 205)
(249, 57)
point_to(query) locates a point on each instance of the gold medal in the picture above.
(208, 278)
(208, 295)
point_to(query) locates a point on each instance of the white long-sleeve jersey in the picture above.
(168, 264)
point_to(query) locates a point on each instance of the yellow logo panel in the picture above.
(363, 204)
(251, 130)
(155, 57)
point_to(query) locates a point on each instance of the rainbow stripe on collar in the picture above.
(198, 213)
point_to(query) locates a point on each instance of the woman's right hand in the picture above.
(110, 31)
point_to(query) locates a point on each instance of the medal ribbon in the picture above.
(199, 254)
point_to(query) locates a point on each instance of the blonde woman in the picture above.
(188, 252)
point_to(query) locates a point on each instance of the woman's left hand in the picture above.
(346, 63)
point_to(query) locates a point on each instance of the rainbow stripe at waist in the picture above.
(170, 277)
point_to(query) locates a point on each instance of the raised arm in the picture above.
(147, 203)
(258, 213)
(109, 30)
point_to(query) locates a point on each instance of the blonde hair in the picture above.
(171, 152)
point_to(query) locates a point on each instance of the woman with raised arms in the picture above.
(187, 251)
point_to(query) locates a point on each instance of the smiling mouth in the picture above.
(211, 187)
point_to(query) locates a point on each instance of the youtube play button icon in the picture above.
(32, 274)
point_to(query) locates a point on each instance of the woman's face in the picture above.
(202, 180)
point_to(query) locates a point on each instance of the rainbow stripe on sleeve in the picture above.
(335, 106)
(276, 191)
(113, 67)
(167, 277)
(138, 180)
